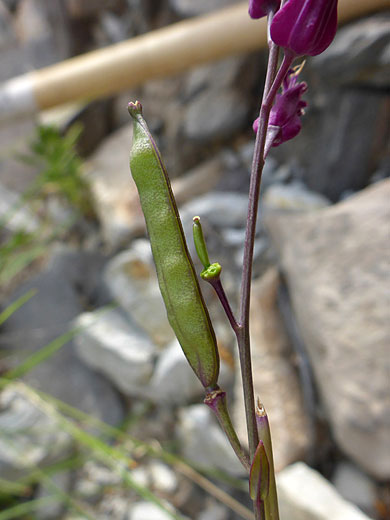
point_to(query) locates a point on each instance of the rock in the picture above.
(17, 214)
(148, 511)
(215, 114)
(305, 495)
(213, 511)
(110, 345)
(293, 196)
(203, 441)
(275, 379)
(7, 31)
(199, 180)
(14, 140)
(337, 275)
(30, 436)
(42, 32)
(131, 279)
(188, 8)
(355, 486)
(163, 478)
(219, 75)
(114, 191)
(83, 10)
(47, 316)
(54, 509)
(365, 46)
(174, 381)
(219, 209)
(344, 155)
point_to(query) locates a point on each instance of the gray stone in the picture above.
(109, 344)
(344, 154)
(215, 114)
(219, 209)
(219, 75)
(355, 486)
(131, 278)
(304, 494)
(14, 140)
(203, 441)
(365, 46)
(16, 214)
(148, 511)
(293, 196)
(42, 32)
(54, 509)
(113, 189)
(174, 381)
(30, 436)
(47, 316)
(276, 382)
(188, 8)
(163, 478)
(213, 511)
(337, 273)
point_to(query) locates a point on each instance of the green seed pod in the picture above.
(186, 310)
(199, 241)
(259, 474)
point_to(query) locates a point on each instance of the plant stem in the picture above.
(220, 291)
(243, 339)
(272, 84)
(216, 400)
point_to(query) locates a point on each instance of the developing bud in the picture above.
(305, 27)
(259, 474)
(284, 120)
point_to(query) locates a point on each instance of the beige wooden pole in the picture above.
(157, 54)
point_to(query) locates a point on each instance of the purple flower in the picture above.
(306, 27)
(260, 8)
(284, 121)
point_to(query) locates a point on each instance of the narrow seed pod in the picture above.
(259, 474)
(200, 243)
(186, 310)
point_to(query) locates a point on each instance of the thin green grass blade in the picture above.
(41, 355)
(14, 306)
(26, 508)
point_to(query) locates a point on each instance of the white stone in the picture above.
(173, 380)
(163, 477)
(17, 215)
(304, 494)
(147, 511)
(293, 196)
(203, 441)
(354, 485)
(29, 436)
(109, 344)
(131, 278)
(214, 511)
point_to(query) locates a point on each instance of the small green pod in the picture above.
(186, 310)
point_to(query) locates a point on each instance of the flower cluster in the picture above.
(304, 27)
(284, 120)
(300, 27)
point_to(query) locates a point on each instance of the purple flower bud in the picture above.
(306, 27)
(287, 109)
(260, 8)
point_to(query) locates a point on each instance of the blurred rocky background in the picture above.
(103, 409)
